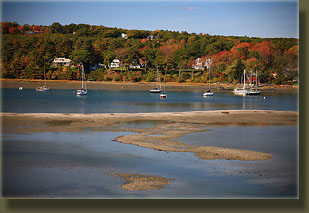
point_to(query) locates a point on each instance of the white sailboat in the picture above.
(43, 88)
(83, 90)
(255, 90)
(208, 92)
(158, 88)
(164, 94)
(243, 90)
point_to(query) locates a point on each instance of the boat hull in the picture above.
(42, 89)
(163, 96)
(253, 93)
(240, 91)
(81, 92)
(155, 91)
(208, 94)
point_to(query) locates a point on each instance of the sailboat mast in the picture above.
(44, 76)
(83, 78)
(157, 78)
(209, 78)
(256, 79)
(244, 78)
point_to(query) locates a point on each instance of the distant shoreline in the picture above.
(111, 85)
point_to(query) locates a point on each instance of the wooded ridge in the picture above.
(179, 56)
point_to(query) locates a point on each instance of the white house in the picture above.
(123, 35)
(61, 62)
(200, 65)
(135, 66)
(150, 37)
(115, 63)
(207, 63)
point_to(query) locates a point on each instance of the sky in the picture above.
(252, 18)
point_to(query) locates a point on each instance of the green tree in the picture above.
(238, 69)
(78, 56)
(109, 56)
(56, 27)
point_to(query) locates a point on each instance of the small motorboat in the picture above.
(42, 89)
(163, 95)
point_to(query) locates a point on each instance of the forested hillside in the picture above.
(29, 50)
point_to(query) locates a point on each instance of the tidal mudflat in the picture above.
(80, 155)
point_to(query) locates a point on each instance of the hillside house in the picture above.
(201, 64)
(198, 65)
(150, 37)
(135, 66)
(123, 35)
(61, 62)
(115, 63)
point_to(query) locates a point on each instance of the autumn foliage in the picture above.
(29, 49)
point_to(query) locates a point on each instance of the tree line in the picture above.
(29, 50)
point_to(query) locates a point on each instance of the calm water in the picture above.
(109, 101)
(75, 164)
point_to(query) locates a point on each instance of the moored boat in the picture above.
(83, 91)
(242, 90)
(157, 89)
(163, 95)
(42, 88)
(208, 93)
(255, 90)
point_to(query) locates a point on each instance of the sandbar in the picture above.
(139, 182)
(162, 137)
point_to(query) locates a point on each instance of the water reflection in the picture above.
(74, 164)
(65, 101)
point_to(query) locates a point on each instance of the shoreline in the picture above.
(109, 85)
(163, 136)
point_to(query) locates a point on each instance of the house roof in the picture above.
(59, 60)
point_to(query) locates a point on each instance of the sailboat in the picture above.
(208, 92)
(83, 90)
(254, 91)
(43, 88)
(157, 89)
(243, 90)
(164, 95)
